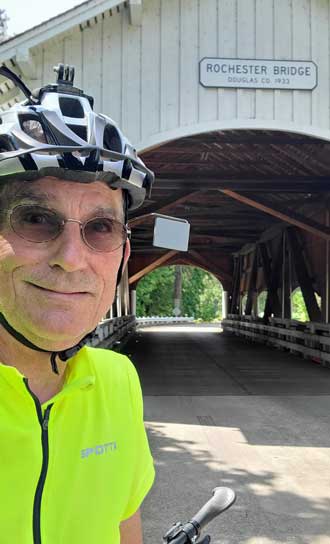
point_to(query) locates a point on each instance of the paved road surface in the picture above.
(220, 411)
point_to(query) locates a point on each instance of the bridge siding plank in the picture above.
(208, 47)
(227, 49)
(112, 66)
(264, 50)
(170, 64)
(320, 55)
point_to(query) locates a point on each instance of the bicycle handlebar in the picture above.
(222, 499)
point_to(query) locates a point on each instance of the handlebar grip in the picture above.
(180, 539)
(223, 498)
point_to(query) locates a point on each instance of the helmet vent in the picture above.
(6, 144)
(33, 128)
(112, 139)
(79, 130)
(71, 107)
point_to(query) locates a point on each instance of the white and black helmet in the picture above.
(55, 132)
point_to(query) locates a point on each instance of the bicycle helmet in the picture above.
(55, 132)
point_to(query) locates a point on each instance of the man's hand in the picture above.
(131, 530)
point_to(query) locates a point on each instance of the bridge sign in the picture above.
(258, 74)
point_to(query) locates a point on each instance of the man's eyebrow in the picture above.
(36, 198)
(45, 199)
(101, 210)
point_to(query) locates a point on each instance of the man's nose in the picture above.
(68, 249)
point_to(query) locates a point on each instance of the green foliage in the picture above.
(262, 297)
(192, 285)
(298, 307)
(154, 294)
(201, 294)
(209, 307)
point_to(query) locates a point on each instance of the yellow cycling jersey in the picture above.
(74, 467)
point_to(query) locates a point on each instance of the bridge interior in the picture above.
(258, 205)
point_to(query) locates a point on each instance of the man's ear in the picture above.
(127, 253)
(125, 256)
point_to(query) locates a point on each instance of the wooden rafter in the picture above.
(284, 215)
(272, 184)
(212, 240)
(158, 262)
(234, 305)
(165, 207)
(211, 266)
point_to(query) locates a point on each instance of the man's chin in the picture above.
(55, 345)
(55, 338)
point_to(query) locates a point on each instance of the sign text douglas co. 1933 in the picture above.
(258, 74)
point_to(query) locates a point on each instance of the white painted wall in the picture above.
(147, 78)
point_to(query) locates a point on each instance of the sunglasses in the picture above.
(38, 224)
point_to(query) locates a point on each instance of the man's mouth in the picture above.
(57, 291)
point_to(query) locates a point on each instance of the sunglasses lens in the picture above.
(104, 234)
(34, 223)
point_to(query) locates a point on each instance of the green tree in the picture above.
(192, 286)
(298, 307)
(154, 294)
(201, 294)
(262, 297)
(210, 299)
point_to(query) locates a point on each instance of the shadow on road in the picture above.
(263, 513)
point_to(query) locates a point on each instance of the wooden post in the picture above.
(283, 278)
(286, 290)
(118, 301)
(177, 290)
(327, 270)
(303, 277)
(133, 301)
(251, 283)
(224, 304)
(272, 277)
(234, 307)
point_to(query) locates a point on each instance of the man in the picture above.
(75, 463)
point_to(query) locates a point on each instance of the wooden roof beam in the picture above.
(209, 239)
(158, 262)
(283, 214)
(169, 204)
(210, 266)
(273, 184)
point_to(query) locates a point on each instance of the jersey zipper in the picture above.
(43, 420)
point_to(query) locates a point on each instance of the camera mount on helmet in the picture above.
(63, 85)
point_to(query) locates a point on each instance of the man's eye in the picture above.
(34, 218)
(104, 226)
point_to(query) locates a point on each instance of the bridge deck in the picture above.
(220, 411)
(199, 360)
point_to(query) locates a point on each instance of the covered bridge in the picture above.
(228, 102)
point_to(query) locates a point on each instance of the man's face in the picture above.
(56, 292)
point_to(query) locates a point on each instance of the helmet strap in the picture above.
(120, 269)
